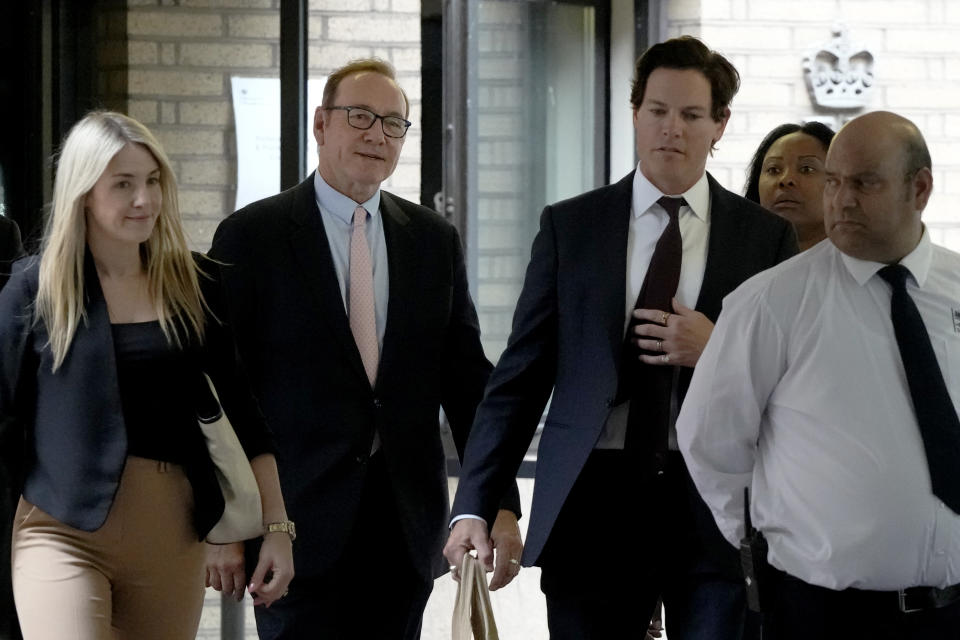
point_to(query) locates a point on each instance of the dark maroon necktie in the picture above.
(649, 386)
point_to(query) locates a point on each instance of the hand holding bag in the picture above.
(242, 517)
(472, 611)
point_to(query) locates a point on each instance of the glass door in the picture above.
(525, 98)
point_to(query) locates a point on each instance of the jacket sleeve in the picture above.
(466, 368)
(16, 361)
(519, 386)
(222, 363)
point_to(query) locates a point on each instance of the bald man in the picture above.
(831, 387)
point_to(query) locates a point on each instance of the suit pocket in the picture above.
(948, 354)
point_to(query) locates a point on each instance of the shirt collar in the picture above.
(645, 194)
(341, 206)
(917, 262)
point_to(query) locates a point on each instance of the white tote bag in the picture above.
(242, 517)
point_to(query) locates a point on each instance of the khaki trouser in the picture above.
(140, 575)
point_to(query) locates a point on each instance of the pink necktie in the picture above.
(363, 319)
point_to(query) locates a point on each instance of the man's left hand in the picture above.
(675, 339)
(508, 546)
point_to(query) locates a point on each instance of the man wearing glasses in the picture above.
(355, 323)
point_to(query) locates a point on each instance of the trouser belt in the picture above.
(923, 598)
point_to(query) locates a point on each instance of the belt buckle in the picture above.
(902, 597)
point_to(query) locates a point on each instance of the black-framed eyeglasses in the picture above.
(360, 118)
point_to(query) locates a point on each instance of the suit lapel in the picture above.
(311, 248)
(98, 315)
(613, 224)
(724, 232)
(401, 263)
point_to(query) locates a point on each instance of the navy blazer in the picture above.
(295, 340)
(567, 339)
(65, 431)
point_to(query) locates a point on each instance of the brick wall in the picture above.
(174, 71)
(917, 72)
(503, 163)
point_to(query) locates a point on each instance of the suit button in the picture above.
(659, 462)
(377, 404)
(610, 401)
(361, 459)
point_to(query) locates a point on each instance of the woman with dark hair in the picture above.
(786, 176)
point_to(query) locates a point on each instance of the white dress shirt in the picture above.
(802, 396)
(647, 222)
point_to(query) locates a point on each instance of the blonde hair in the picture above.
(171, 273)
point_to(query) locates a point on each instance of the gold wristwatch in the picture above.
(287, 526)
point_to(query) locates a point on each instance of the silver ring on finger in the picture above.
(659, 345)
(665, 358)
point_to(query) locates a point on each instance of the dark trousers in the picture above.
(704, 607)
(702, 588)
(801, 611)
(372, 592)
(621, 541)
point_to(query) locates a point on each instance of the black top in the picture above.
(152, 375)
(63, 433)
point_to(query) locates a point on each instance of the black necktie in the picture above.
(647, 386)
(939, 425)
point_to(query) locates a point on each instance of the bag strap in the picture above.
(473, 612)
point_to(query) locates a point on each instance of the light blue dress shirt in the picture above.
(336, 211)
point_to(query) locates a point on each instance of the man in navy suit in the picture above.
(355, 323)
(616, 521)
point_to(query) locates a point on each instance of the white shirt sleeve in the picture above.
(720, 422)
(466, 516)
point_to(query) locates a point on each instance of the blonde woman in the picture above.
(104, 339)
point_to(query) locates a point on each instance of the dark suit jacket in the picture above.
(567, 336)
(65, 430)
(10, 247)
(295, 339)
